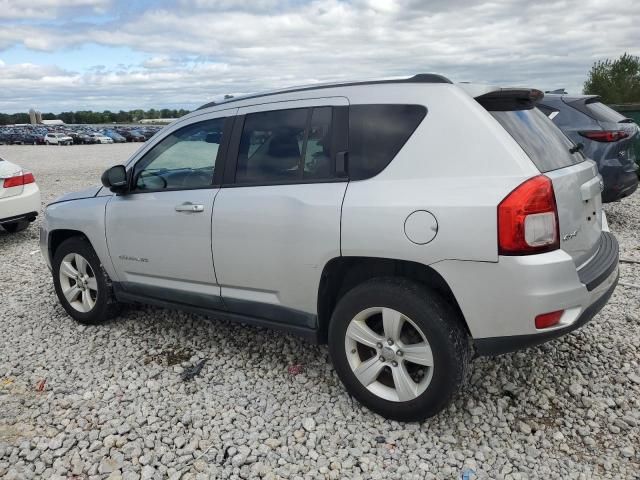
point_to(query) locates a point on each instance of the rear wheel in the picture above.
(83, 287)
(15, 227)
(399, 348)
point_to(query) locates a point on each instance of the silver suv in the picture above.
(411, 224)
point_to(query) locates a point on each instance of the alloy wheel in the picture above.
(389, 354)
(78, 282)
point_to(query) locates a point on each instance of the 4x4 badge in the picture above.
(571, 235)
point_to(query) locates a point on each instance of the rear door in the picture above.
(576, 182)
(276, 220)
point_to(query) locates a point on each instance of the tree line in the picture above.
(617, 81)
(88, 116)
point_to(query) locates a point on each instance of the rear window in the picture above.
(376, 135)
(544, 143)
(599, 111)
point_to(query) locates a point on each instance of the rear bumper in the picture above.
(500, 300)
(499, 345)
(21, 207)
(29, 216)
(618, 184)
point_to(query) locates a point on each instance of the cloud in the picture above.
(158, 62)
(199, 50)
(36, 9)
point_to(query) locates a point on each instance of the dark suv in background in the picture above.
(607, 137)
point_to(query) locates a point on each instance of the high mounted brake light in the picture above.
(528, 219)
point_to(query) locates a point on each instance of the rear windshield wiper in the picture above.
(626, 120)
(576, 148)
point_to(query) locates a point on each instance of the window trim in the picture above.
(219, 160)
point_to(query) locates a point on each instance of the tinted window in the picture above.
(602, 113)
(286, 145)
(184, 159)
(548, 111)
(271, 146)
(376, 135)
(541, 140)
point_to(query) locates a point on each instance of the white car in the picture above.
(57, 139)
(19, 197)
(99, 138)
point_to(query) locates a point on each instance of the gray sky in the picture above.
(60, 55)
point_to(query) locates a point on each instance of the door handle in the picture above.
(189, 207)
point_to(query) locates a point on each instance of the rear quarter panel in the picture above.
(458, 165)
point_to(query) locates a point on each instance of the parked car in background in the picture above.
(19, 197)
(356, 218)
(99, 138)
(85, 138)
(131, 135)
(115, 136)
(79, 134)
(149, 132)
(57, 139)
(32, 139)
(607, 137)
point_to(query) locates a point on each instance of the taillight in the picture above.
(550, 319)
(19, 180)
(528, 219)
(604, 135)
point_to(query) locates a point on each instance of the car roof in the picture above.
(418, 78)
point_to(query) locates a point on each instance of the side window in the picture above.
(548, 111)
(184, 159)
(271, 146)
(285, 145)
(376, 135)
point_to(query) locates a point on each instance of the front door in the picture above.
(159, 234)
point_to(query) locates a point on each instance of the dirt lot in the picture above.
(109, 401)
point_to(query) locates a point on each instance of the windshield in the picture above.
(542, 141)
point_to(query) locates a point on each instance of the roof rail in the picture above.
(418, 78)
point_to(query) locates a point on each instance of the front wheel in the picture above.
(399, 348)
(81, 284)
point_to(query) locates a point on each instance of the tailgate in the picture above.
(576, 182)
(577, 190)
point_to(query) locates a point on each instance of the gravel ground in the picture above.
(109, 402)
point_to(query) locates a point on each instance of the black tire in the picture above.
(15, 227)
(106, 305)
(439, 323)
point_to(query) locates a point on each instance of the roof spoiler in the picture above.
(509, 99)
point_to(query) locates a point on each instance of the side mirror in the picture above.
(115, 179)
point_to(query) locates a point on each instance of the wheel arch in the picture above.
(56, 237)
(341, 274)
